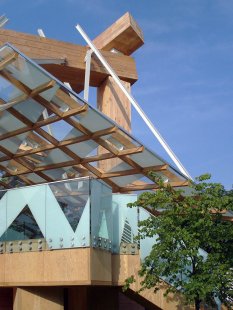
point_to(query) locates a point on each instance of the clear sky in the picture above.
(185, 68)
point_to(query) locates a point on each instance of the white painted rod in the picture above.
(134, 103)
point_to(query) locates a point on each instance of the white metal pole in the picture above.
(3, 20)
(134, 103)
(87, 74)
(41, 33)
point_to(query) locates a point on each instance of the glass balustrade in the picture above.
(65, 214)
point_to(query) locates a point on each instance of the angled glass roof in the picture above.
(48, 133)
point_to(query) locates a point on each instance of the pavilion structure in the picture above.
(68, 170)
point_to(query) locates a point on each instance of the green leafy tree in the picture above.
(194, 241)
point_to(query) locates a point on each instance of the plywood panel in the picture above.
(101, 267)
(46, 268)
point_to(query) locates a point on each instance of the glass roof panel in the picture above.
(12, 144)
(54, 157)
(9, 123)
(25, 72)
(8, 91)
(35, 178)
(121, 141)
(13, 166)
(146, 159)
(93, 121)
(83, 149)
(30, 109)
(74, 133)
(62, 173)
(126, 180)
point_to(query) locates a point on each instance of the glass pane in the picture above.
(3, 205)
(9, 123)
(23, 227)
(12, 144)
(8, 92)
(101, 215)
(126, 180)
(147, 159)
(30, 109)
(62, 173)
(25, 218)
(68, 203)
(93, 121)
(72, 197)
(53, 157)
(125, 220)
(84, 149)
(121, 141)
(26, 73)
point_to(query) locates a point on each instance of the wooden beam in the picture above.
(133, 171)
(36, 47)
(151, 186)
(124, 35)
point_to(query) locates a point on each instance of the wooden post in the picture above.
(123, 37)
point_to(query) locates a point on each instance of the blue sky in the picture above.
(185, 68)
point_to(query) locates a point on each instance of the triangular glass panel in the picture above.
(72, 197)
(103, 232)
(23, 227)
(127, 235)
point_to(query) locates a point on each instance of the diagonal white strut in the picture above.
(155, 131)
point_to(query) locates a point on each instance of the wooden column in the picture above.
(41, 298)
(112, 101)
(123, 37)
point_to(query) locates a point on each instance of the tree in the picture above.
(194, 241)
